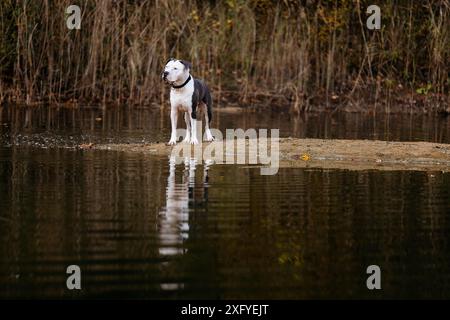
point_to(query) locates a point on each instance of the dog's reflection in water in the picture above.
(181, 193)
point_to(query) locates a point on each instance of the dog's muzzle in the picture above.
(164, 75)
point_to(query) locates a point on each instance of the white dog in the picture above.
(188, 95)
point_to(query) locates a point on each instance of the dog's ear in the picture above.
(187, 65)
(170, 59)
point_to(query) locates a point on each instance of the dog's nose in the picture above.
(165, 73)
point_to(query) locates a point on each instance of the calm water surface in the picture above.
(142, 227)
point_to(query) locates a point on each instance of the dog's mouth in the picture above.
(164, 77)
(168, 82)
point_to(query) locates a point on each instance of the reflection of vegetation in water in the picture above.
(277, 51)
(300, 234)
(292, 258)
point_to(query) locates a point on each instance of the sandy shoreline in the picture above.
(333, 154)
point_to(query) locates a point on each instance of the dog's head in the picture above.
(176, 71)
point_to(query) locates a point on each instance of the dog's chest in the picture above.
(182, 98)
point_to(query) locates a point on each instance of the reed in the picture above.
(301, 53)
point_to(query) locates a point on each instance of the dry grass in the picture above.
(252, 48)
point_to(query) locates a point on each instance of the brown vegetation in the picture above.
(298, 53)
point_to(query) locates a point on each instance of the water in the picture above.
(142, 227)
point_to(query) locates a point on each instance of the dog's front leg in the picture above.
(173, 120)
(194, 130)
(187, 118)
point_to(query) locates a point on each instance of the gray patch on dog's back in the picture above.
(201, 94)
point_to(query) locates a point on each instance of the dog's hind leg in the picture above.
(208, 116)
(208, 135)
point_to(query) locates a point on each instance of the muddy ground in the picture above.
(331, 154)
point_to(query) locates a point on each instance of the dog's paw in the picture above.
(187, 139)
(194, 140)
(208, 136)
(172, 142)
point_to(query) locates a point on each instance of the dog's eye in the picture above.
(175, 68)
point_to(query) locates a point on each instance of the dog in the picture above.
(188, 95)
(181, 194)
